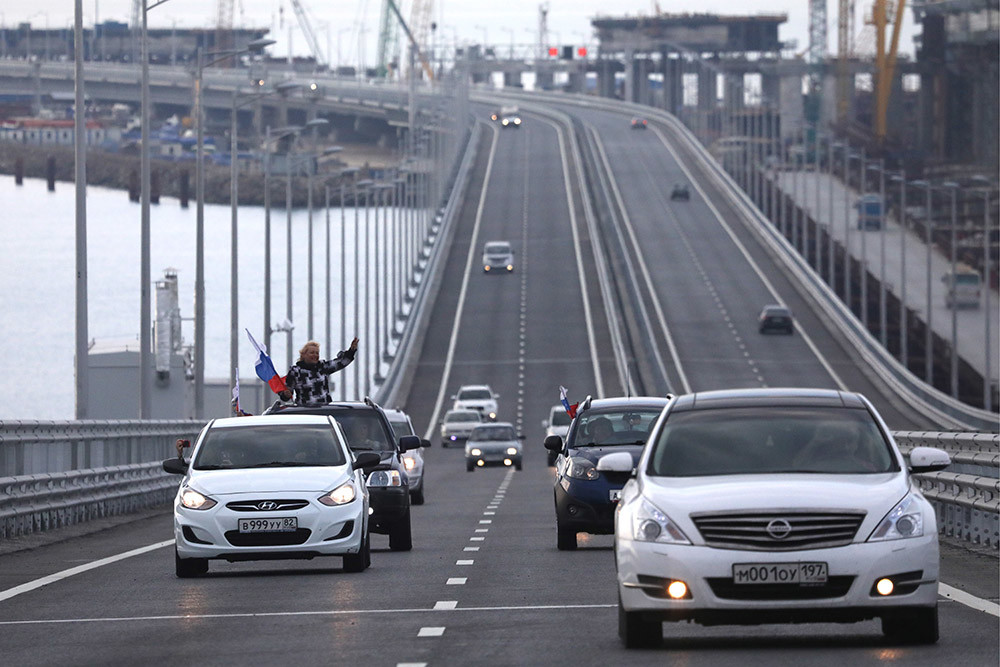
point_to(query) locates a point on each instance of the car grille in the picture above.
(238, 539)
(835, 587)
(778, 531)
(266, 505)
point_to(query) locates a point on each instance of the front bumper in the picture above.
(586, 506)
(493, 457)
(322, 531)
(389, 505)
(848, 595)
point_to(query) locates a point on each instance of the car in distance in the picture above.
(557, 424)
(493, 443)
(774, 505)
(457, 425)
(775, 317)
(511, 121)
(639, 124)
(585, 492)
(498, 257)
(476, 397)
(680, 192)
(413, 460)
(269, 488)
(367, 430)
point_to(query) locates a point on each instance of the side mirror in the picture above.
(408, 443)
(928, 459)
(553, 443)
(520, 436)
(366, 460)
(424, 442)
(175, 466)
(545, 423)
(617, 462)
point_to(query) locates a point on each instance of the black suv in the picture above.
(585, 493)
(680, 192)
(367, 430)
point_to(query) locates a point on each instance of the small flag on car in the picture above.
(265, 369)
(570, 409)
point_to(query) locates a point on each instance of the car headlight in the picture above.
(486, 267)
(493, 415)
(475, 451)
(512, 451)
(343, 494)
(580, 468)
(409, 462)
(905, 520)
(385, 478)
(649, 524)
(193, 500)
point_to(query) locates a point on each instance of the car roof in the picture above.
(506, 243)
(775, 308)
(463, 411)
(769, 397)
(394, 412)
(267, 420)
(490, 424)
(474, 386)
(328, 409)
(601, 404)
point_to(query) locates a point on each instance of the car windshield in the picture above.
(364, 431)
(455, 417)
(481, 433)
(498, 248)
(560, 418)
(474, 395)
(269, 446)
(767, 441)
(401, 428)
(629, 426)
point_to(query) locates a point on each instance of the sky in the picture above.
(340, 25)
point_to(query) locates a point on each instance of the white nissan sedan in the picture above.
(775, 506)
(271, 488)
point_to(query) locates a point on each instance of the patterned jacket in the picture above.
(310, 382)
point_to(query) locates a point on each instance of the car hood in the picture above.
(461, 426)
(268, 480)
(493, 444)
(874, 494)
(593, 454)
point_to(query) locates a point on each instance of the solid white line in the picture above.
(453, 342)
(79, 569)
(456, 581)
(445, 604)
(431, 631)
(946, 591)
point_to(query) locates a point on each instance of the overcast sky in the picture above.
(341, 24)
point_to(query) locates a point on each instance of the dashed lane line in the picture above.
(465, 562)
(456, 581)
(445, 604)
(431, 631)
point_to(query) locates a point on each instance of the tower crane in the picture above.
(390, 5)
(883, 13)
(845, 50)
(307, 30)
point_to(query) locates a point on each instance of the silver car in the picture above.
(498, 257)
(413, 460)
(457, 425)
(494, 443)
(557, 424)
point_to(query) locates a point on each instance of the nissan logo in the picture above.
(779, 529)
(270, 505)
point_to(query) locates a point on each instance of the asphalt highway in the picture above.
(484, 583)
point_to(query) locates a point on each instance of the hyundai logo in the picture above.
(270, 505)
(779, 529)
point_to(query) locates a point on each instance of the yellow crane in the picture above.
(884, 13)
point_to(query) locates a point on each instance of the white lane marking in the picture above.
(411, 664)
(473, 244)
(322, 612)
(946, 591)
(486, 521)
(477, 539)
(488, 513)
(482, 530)
(471, 549)
(457, 581)
(79, 569)
(431, 631)
(464, 562)
(445, 604)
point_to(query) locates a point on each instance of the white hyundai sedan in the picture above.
(775, 506)
(261, 488)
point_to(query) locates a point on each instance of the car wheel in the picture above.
(189, 567)
(565, 537)
(469, 466)
(638, 630)
(360, 561)
(399, 535)
(417, 497)
(912, 626)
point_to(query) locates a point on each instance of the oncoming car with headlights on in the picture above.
(586, 491)
(413, 460)
(457, 425)
(261, 488)
(493, 443)
(760, 506)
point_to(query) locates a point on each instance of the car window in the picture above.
(364, 431)
(269, 446)
(461, 417)
(474, 395)
(560, 418)
(401, 428)
(497, 248)
(481, 433)
(753, 441)
(618, 427)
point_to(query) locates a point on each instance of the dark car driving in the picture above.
(775, 318)
(368, 430)
(585, 493)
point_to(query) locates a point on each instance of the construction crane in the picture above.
(224, 25)
(420, 21)
(845, 50)
(391, 7)
(883, 14)
(307, 30)
(817, 57)
(388, 43)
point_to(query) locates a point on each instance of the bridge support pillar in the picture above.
(512, 79)
(576, 81)
(543, 79)
(606, 77)
(673, 82)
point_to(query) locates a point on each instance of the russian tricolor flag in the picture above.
(265, 369)
(570, 409)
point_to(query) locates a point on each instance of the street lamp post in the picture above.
(904, 319)
(82, 360)
(313, 124)
(351, 171)
(954, 301)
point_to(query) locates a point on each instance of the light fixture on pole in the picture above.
(310, 168)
